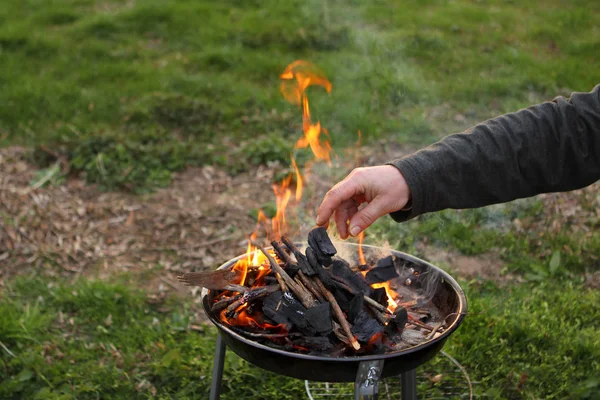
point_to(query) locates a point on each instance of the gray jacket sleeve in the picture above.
(549, 147)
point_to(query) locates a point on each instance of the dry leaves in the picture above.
(74, 229)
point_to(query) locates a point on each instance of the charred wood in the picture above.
(322, 273)
(342, 271)
(305, 266)
(384, 271)
(319, 240)
(292, 267)
(305, 297)
(347, 328)
(397, 323)
(224, 303)
(365, 327)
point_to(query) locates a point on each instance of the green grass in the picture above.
(204, 72)
(95, 339)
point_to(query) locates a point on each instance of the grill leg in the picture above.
(217, 373)
(409, 385)
(366, 386)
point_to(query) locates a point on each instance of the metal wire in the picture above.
(442, 378)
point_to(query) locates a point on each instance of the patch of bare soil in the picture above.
(484, 267)
(75, 229)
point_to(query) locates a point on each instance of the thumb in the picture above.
(365, 217)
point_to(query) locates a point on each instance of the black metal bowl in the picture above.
(448, 297)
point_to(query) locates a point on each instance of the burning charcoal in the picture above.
(318, 268)
(365, 327)
(319, 240)
(397, 323)
(314, 343)
(355, 307)
(284, 309)
(319, 317)
(380, 296)
(384, 271)
(341, 270)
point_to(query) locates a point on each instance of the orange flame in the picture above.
(392, 305)
(243, 319)
(296, 78)
(299, 182)
(282, 198)
(361, 254)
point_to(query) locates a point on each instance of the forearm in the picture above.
(554, 146)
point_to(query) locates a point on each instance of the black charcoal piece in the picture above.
(341, 269)
(343, 298)
(292, 269)
(305, 266)
(384, 271)
(355, 307)
(318, 268)
(319, 240)
(365, 327)
(396, 324)
(285, 309)
(319, 317)
(380, 296)
(315, 344)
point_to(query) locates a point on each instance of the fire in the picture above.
(299, 182)
(392, 305)
(361, 254)
(296, 78)
(243, 319)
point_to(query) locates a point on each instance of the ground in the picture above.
(139, 140)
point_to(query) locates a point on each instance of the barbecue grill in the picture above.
(365, 371)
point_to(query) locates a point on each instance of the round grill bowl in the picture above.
(449, 298)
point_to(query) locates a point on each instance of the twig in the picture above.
(378, 315)
(310, 285)
(463, 370)
(375, 304)
(420, 324)
(305, 297)
(338, 313)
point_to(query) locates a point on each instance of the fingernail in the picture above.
(355, 230)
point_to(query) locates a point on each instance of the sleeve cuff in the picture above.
(415, 206)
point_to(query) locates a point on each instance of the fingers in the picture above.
(341, 216)
(369, 214)
(341, 192)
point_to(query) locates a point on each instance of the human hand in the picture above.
(383, 188)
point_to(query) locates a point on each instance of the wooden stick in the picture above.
(305, 297)
(310, 285)
(376, 305)
(223, 303)
(281, 282)
(379, 316)
(338, 313)
(415, 321)
(281, 253)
